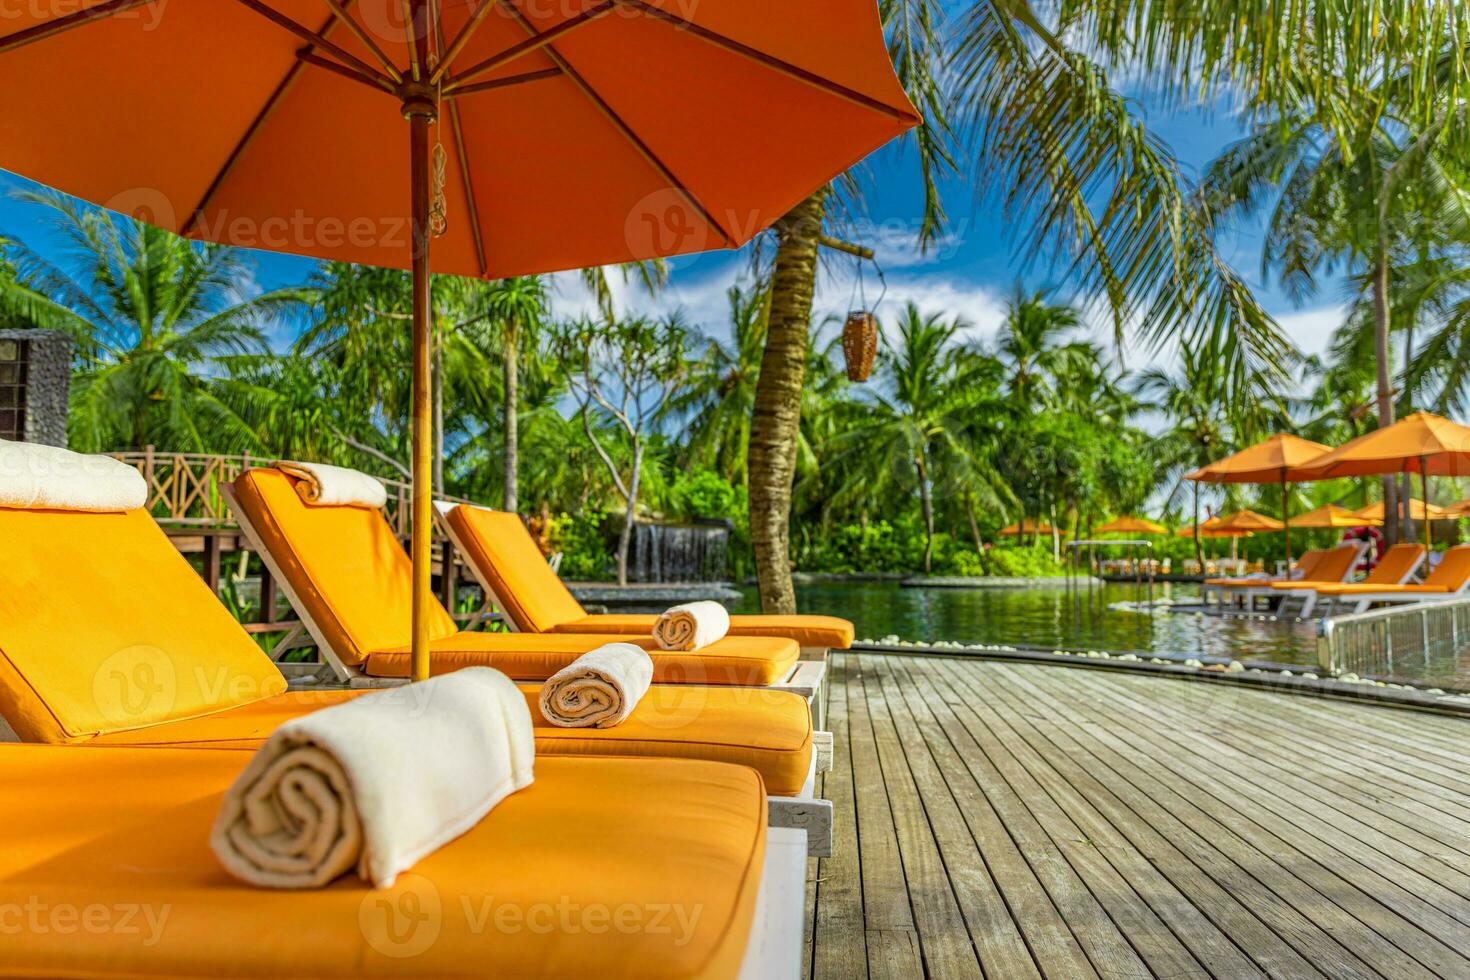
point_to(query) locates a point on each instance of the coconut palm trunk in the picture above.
(776, 419)
(926, 500)
(1381, 325)
(512, 414)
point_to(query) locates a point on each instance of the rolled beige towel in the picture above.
(691, 626)
(40, 477)
(335, 486)
(599, 689)
(376, 783)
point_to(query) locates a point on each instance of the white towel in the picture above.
(49, 478)
(599, 689)
(335, 486)
(691, 626)
(376, 783)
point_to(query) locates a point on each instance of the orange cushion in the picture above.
(105, 627)
(1395, 565)
(1453, 569)
(747, 661)
(498, 545)
(1365, 588)
(344, 564)
(600, 866)
(808, 631)
(769, 731)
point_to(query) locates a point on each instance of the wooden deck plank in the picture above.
(1384, 909)
(1023, 818)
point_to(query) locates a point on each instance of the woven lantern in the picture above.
(860, 344)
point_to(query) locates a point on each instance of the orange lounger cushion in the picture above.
(1365, 588)
(752, 661)
(809, 631)
(537, 601)
(669, 889)
(768, 731)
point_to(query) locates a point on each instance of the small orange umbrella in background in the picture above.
(1027, 526)
(1422, 443)
(1211, 529)
(1333, 516)
(1249, 520)
(1373, 513)
(519, 137)
(1269, 461)
(1130, 525)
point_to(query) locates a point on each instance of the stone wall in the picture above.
(48, 384)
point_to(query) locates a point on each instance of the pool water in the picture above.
(1050, 618)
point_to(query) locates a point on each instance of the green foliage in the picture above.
(583, 540)
(705, 494)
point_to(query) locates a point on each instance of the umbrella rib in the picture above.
(460, 40)
(315, 38)
(245, 140)
(533, 43)
(40, 32)
(627, 131)
(456, 130)
(495, 83)
(362, 35)
(771, 61)
(346, 71)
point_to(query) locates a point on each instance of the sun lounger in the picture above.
(1449, 580)
(673, 873)
(107, 636)
(349, 580)
(1395, 568)
(1333, 567)
(1217, 587)
(505, 560)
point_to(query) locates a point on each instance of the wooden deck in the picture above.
(1006, 820)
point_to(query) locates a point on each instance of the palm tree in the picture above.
(515, 307)
(1033, 345)
(154, 317)
(719, 395)
(916, 421)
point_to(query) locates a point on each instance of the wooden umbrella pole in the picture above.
(1424, 492)
(421, 110)
(1286, 519)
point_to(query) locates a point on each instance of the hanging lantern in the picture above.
(860, 344)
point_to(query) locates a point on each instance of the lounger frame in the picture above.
(812, 816)
(808, 678)
(1311, 597)
(1251, 593)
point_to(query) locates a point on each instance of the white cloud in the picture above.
(1311, 330)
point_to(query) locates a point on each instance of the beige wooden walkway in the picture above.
(1006, 820)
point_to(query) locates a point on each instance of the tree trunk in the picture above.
(438, 412)
(1056, 535)
(1381, 325)
(974, 524)
(776, 418)
(512, 414)
(1406, 481)
(926, 501)
(625, 537)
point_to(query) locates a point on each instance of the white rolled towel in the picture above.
(599, 689)
(335, 486)
(376, 783)
(49, 478)
(691, 626)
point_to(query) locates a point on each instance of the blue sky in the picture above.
(970, 274)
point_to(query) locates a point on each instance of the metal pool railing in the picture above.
(1391, 641)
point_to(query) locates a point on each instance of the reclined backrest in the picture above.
(505, 553)
(1453, 569)
(342, 563)
(1307, 563)
(1396, 564)
(105, 627)
(1335, 565)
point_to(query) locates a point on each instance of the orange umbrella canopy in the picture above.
(1265, 462)
(1420, 443)
(1374, 512)
(1248, 520)
(1458, 509)
(574, 134)
(1130, 525)
(1027, 526)
(1212, 529)
(1331, 515)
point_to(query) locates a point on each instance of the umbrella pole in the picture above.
(1286, 521)
(421, 112)
(1424, 492)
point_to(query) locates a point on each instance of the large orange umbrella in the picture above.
(1333, 516)
(1248, 520)
(537, 136)
(1130, 525)
(1269, 461)
(1422, 443)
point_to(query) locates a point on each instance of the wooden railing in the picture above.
(184, 488)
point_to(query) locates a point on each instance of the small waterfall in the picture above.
(678, 552)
